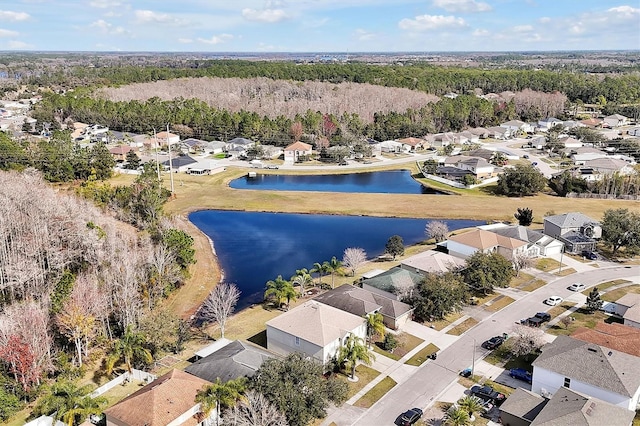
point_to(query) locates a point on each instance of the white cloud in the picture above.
(431, 22)
(108, 28)
(151, 17)
(364, 35)
(464, 6)
(265, 15)
(8, 33)
(315, 23)
(222, 38)
(7, 15)
(480, 33)
(522, 28)
(19, 45)
(104, 4)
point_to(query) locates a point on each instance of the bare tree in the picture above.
(219, 305)
(254, 410)
(164, 272)
(526, 340)
(353, 258)
(436, 229)
(522, 261)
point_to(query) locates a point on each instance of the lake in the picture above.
(254, 247)
(386, 182)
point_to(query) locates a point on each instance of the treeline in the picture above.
(588, 88)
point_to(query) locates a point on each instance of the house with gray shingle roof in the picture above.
(539, 243)
(628, 307)
(363, 302)
(577, 231)
(566, 407)
(396, 281)
(314, 329)
(591, 369)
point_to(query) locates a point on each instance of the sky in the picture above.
(319, 25)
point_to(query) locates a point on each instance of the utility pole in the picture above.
(170, 162)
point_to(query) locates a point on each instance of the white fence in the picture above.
(135, 374)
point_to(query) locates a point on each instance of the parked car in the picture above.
(520, 374)
(487, 393)
(576, 287)
(410, 417)
(532, 322)
(526, 157)
(553, 300)
(543, 316)
(493, 343)
(271, 166)
(535, 163)
(590, 255)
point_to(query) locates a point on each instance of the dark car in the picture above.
(543, 316)
(520, 374)
(590, 255)
(493, 343)
(487, 393)
(532, 322)
(410, 417)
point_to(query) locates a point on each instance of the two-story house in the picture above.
(577, 231)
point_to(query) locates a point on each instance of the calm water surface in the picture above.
(254, 248)
(388, 182)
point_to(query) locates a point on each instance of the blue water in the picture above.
(254, 248)
(387, 182)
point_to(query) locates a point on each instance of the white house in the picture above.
(314, 329)
(634, 132)
(547, 123)
(593, 370)
(296, 151)
(167, 138)
(517, 126)
(616, 120)
(628, 307)
(466, 244)
(390, 146)
(539, 243)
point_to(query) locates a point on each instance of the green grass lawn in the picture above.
(499, 303)
(546, 264)
(447, 321)
(364, 374)
(422, 355)
(375, 393)
(616, 294)
(606, 285)
(581, 319)
(406, 343)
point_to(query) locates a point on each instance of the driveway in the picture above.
(433, 378)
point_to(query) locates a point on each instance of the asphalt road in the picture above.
(434, 377)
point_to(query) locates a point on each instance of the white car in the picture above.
(553, 300)
(576, 287)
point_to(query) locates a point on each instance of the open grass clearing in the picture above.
(581, 318)
(376, 392)
(521, 279)
(564, 272)
(364, 374)
(447, 321)
(422, 355)
(547, 264)
(613, 295)
(406, 343)
(499, 303)
(462, 327)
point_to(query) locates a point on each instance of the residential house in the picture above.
(271, 151)
(634, 131)
(234, 360)
(623, 338)
(165, 138)
(469, 136)
(498, 132)
(580, 155)
(432, 262)
(167, 401)
(413, 144)
(390, 147)
(628, 307)
(314, 329)
(485, 154)
(179, 164)
(590, 369)
(607, 166)
(577, 231)
(119, 153)
(296, 152)
(539, 244)
(547, 123)
(396, 281)
(610, 134)
(566, 407)
(215, 147)
(466, 244)
(616, 120)
(78, 131)
(517, 126)
(592, 122)
(196, 146)
(481, 132)
(441, 140)
(570, 142)
(570, 124)
(362, 302)
(479, 167)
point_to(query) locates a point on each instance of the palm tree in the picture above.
(302, 278)
(127, 349)
(457, 416)
(220, 395)
(355, 350)
(69, 403)
(472, 404)
(318, 269)
(375, 325)
(333, 266)
(280, 289)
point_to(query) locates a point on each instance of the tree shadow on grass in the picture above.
(259, 339)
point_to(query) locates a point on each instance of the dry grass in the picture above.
(616, 294)
(565, 272)
(462, 327)
(422, 355)
(499, 303)
(447, 321)
(521, 279)
(406, 343)
(547, 264)
(581, 319)
(604, 286)
(533, 285)
(364, 374)
(376, 392)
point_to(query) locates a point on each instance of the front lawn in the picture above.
(581, 318)
(606, 285)
(364, 374)
(462, 327)
(499, 303)
(447, 321)
(406, 343)
(422, 355)
(533, 285)
(376, 392)
(547, 264)
(565, 272)
(616, 294)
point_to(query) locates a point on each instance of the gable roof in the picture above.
(412, 141)
(120, 149)
(620, 337)
(361, 302)
(606, 164)
(596, 365)
(433, 261)
(519, 232)
(632, 301)
(180, 161)
(568, 407)
(569, 220)
(298, 146)
(481, 239)
(394, 280)
(194, 142)
(160, 402)
(316, 322)
(241, 141)
(234, 360)
(524, 404)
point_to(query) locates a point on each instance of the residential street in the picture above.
(429, 381)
